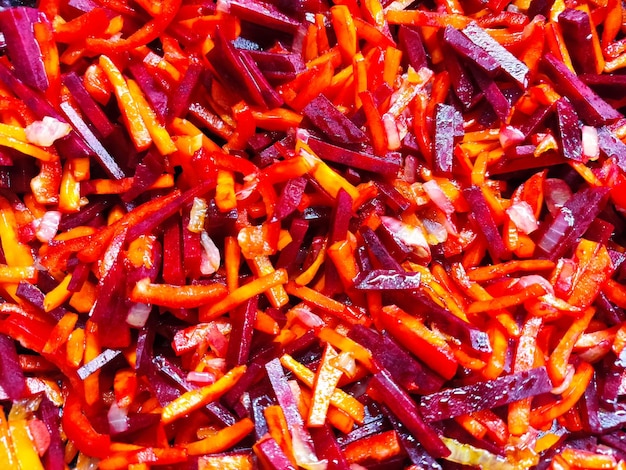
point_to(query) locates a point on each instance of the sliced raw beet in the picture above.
(491, 394)
(466, 49)
(590, 107)
(385, 166)
(17, 25)
(569, 130)
(332, 123)
(448, 125)
(412, 45)
(507, 62)
(576, 27)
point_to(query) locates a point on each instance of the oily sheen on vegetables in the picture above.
(271, 234)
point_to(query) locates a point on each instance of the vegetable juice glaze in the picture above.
(300, 234)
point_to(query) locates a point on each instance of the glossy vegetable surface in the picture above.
(267, 234)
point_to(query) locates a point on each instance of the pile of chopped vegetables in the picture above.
(289, 234)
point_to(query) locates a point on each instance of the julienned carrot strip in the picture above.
(279, 429)
(25, 451)
(519, 411)
(559, 359)
(157, 131)
(336, 418)
(345, 30)
(262, 266)
(60, 332)
(223, 439)
(499, 346)
(506, 301)
(128, 105)
(485, 273)
(548, 412)
(177, 296)
(326, 379)
(243, 293)
(377, 447)
(339, 398)
(427, 18)
(197, 398)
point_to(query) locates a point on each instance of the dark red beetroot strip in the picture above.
(385, 279)
(403, 406)
(232, 72)
(506, 389)
(589, 407)
(264, 14)
(272, 98)
(17, 26)
(108, 163)
(463, 86)
(463, 46)
(289, 254)
(593, 109)
(88, 106)
(510, 64)
(157, 97)
(31, 294)
(447, 122)
(12, 378)
(406, 370)
(240, 340)
(327, 448)
(412, 446)
(569, 130)
(54, 458)
(493, 94)
(97, 363)
(378, 253)
(576, 27)
(273, 455)
(342, 213)
(323, 114)
(484, 222)
(181, 95)
(289, 198)
(146, 174)
(612, 147)
(559, 233)
(411, 44)
(359, 160)
(283, 393)
(396, 201)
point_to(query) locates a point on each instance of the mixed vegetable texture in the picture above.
(294, 234)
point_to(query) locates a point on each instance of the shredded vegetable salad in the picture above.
(379, 234)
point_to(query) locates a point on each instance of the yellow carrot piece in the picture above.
(197, 398)
(57, 296)
(279, 429)
(128, 106)
(262, 266)
(223, 439)
(326, 380)
(61, 332)
(159, 134)
(7, 454)
(225, 198)
(339, 398)
(24, 447)
(345, 30)
(243, 293)
(16, 253)
(15, 274)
